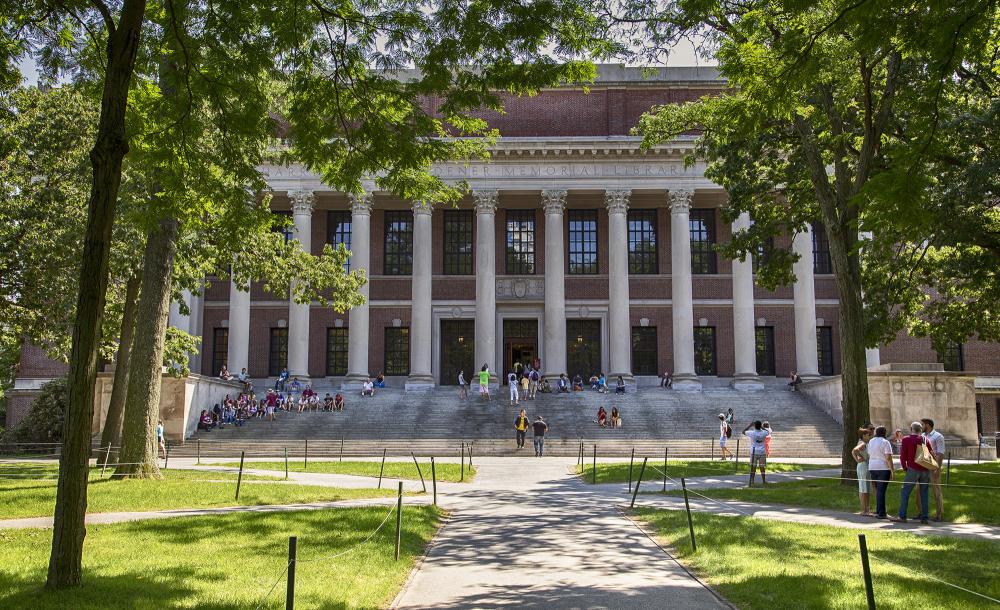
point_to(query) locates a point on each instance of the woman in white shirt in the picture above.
(880, 468)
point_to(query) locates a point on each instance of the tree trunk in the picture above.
(112, 432)
(137, 458)
(110, 147)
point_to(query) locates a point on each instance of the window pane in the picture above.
(824, 349)
(336, 351)
(398, 242)
(278, 352)
(763, 254)
(642, 253)
(704, 350)
(458, 242)
(952, 358)
(583, 347)
(765, 350)
(397, 351)
(582, 241)
(220, 349)
(702, 227)
(283, 224)
(338, 227)
(644, 350)
(821, 250)
(520, 251)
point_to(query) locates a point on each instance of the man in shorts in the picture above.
(723, 437)
(484, 382)
(758, 449)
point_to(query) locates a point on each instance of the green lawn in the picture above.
(763, 564)
(961, 504)
(34, 495)
(617, 472)
(224, 562)
(393, 470)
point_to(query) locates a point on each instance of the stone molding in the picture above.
(486, 200)
(423, 209)
(680, 201)
(520, 288)
(302, 201)
(554, 200)
(361, 204)
(617, 200)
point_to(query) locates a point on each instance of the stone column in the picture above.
(873, 356)
(421, 325)
(298, 313)
(680, 289)
(554, 361)
(239, 330)
(357, 330)
(486, 283)
(619, 325)
(744, 326)
(804, 300)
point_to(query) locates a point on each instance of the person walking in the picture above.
(861, 456)
(880, 467)
(160, 442)
(936, 440)
(484, 382)
(758, 450)
(533, 378)
(521, 426)
(279, 383)
(463, 387)
(539, 428)
(915, 473)
(512, 384)
(724, 433)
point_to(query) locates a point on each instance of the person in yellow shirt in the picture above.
(484, 382)
(521, 425)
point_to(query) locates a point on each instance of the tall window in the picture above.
(824, 349)
(398, 242)
(278, 351)
(220, 349)
(458, 242)
(765, 350)
(702, 225)
(520, 242)
(644, 350)
(952, 357)
(642, 253)
(821, 250)
(336, 351)
(397, 351)
(582, 241)
(704, 350)
(282, 224)
(338, 225)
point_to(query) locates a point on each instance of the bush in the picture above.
(44, 422)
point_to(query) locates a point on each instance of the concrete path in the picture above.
(528, 534)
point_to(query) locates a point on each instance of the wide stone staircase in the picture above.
(437, 422)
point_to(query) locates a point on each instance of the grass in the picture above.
(764, 564)
(393, 470)
(224, 562)
(34, 496)
(617, 472)
(961, 504)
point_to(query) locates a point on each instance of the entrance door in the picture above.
(583, 348)
(520, 342)
(457, 350)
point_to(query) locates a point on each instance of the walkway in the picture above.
(527, 534)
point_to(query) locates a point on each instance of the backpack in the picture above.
(729, 431)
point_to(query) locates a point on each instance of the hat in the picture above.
(722, 415)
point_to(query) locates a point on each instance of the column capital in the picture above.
(422, 209)
(554, 200)
(486, 200)
(302, 201)
(361, 204)
(617, 200)
(680, 201)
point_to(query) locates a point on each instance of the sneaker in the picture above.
(897, 519)
(924, 522)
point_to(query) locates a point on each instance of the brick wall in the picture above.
(35, 364)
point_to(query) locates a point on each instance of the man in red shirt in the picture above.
(915, 473)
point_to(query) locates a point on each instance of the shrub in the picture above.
(44, 422)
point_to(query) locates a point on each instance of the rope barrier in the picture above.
(392, 509)
(271, 590)
(935, 579)
(719, 502)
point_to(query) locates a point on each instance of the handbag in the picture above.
(925, 458)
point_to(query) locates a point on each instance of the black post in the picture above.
(399, 517)
(979, 449)
(239, 478)
(107, 457)
(463, 462)
(869, 591)
(580, 460)
(422, 484)
(166, 458)
(687, 507)
(434, 482)
(736, 470)
(637, 482)
(665, 450)
(305, 457)
(713, 448)
(471, 443)
(286, 463)
(381, 470)
(199, 452)
(290, 588)
(594, 471)
(947, 478)
(341, 447)
(630, 460)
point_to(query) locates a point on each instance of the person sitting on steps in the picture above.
(368, 389)
(602, 417)
(380, 381)
(620, 385)
(616, 418)
(795, 382)
(338, 402)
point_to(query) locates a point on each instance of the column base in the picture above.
(747, 382)
(686, 383)
(353, 381)
(419, 382)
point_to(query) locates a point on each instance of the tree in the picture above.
(832, 105)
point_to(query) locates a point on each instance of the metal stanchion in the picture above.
(286, 463)
(665, 453)
(290, 587)
(594, 471)
(399, 517)
(305, 457)
(434, 481)
(869, 591)
(687, 507)
(422, 484)
(638, 481)
(630, 460)
(382, 470)
(239, 478)
(107, 458)
(462, 460)
(736, 470)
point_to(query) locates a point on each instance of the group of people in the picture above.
(237, 411)
(758, 433)
(526, 381)
(921, 454)
(538, 428)
(602, 418)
